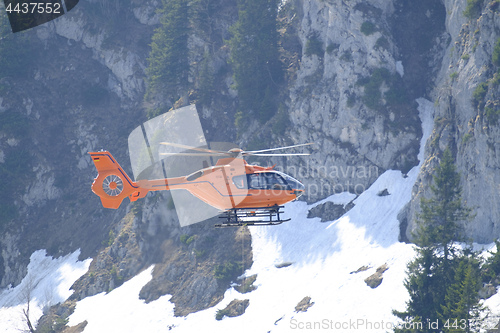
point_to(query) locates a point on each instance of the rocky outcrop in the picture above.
(466, 100)
(11, 261)
(361, 269)
(246, 284)
(304, 304)
(374, 280)
(329, 211)
(42, 189)
(234, 309)
(126, 64)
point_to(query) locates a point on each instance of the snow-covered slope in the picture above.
(47, 283)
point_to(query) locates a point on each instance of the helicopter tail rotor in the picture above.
(112, 184)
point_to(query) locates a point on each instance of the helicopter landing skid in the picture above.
(238, 217)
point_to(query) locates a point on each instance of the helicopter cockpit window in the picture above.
(240, 181)
(275, 181)
(256, 182)
(266, 181)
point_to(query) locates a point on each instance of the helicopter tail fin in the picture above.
(112, 184)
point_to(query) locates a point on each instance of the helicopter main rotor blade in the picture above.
(205, 150)
(195, 154)
(272, 149)
(278, 154)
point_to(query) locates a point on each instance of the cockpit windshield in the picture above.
(267, 181)
(292, 182)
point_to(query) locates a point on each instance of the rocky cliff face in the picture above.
(466, 102)
(65, 109)
(355, 89)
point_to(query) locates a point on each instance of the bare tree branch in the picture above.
(26, 296)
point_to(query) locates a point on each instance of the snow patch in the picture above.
(121, 310)
(399, 68)
(47, 283)
(493, 318)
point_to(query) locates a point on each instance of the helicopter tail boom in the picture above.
(112, 184)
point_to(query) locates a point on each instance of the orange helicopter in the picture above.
(232, 185)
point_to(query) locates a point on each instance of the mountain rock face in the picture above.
(466, 99)
(355, 89)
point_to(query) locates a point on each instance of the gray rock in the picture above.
(329, 211)
(374, 280)
(304, 304)
(487, 291)
(234, 309)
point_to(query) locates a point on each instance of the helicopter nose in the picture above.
(298, 193)
(294, 185)
(299, 190)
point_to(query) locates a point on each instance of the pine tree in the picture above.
(254, 57)
(491, 268)
(461, 308)
(206, 80)
(168, 60)
(420, 283)
(443, 214)
(434, 276)
(201, 17)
